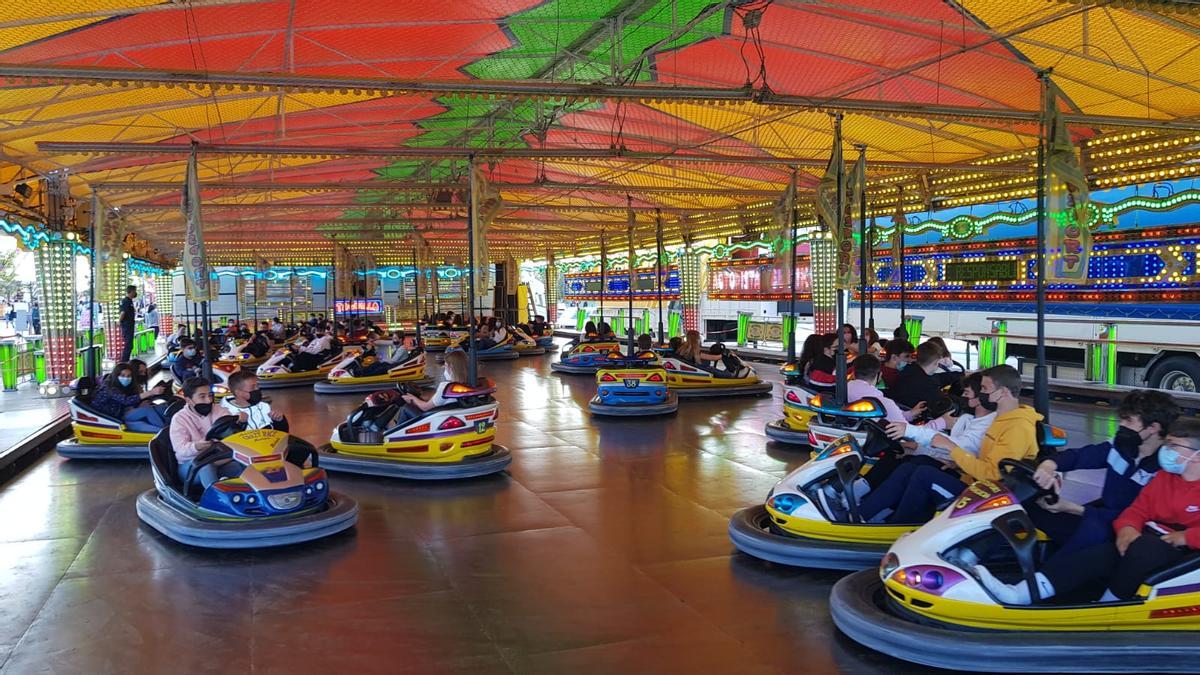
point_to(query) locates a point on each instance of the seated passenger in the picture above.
(483, 336)
(1131, 460)
(605, 332)
(915, 491)
(922, 380)
(967, 432)
(816, 362)
(189, 364)
(947, 363)
(173, 339)
(899, 356)
(313, 352)
(246, 399)
(120, 396)
(189, 429)
(537, 327)
(499, 332)
(1159, 529)
(866, 375)
(455, 371)
(850, 337)
(141, 373)
(693, 351)
(645, 347)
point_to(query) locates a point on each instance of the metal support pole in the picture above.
(658, 255)
(840, 211)
(207, 361)
(871, 289)
(862, 261)
(91, 352)
(632, 276)
(898, 261)
(603, 275)
(1041, 380)
(791, 346)
(472, 364)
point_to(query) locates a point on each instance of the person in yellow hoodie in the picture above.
(915, 494)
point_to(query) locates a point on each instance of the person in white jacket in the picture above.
(967, 432)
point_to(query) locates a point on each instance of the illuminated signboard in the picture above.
(358, 306)
(982, 270)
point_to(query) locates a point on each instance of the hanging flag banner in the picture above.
(512, 274)
(784, 254)
(828, 201)
(198, 285)
(260, 278)
(1068, 239)
(485, 205)
(898, 224)
(848, 248)
(420, 262)
(108, 249)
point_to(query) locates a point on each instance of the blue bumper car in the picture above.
(633, 387)
(281, 495)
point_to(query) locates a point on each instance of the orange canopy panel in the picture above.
(360, 119)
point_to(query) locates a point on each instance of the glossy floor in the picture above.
(605, 550)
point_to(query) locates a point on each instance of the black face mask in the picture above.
(987, 405)
(203, 409)
(1127, 440)
(256, 397)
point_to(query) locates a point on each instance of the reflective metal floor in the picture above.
(605, 550)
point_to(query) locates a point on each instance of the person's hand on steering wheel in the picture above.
(896, 430)
(919, 408)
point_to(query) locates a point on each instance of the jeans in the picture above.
(127, 337)
(211, 473)
(914, 491)
(888, 463)
(1072, 533)
(145, 419)
(1101, 563)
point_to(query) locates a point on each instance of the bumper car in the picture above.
(546, 339)
(346, 377)
(220, 378)
(689, 380)
(275, 501)
(524, 345)
(586, 358)
(456, 440)
(829, 422)
(277, 371)
(633, 387)
(96, 435)
(925, 604)
(437, 340)
(793, 428)
(501, 351)
(811, 517)
(238, 356)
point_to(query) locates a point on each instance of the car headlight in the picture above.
(251, 499)
(320, 485)
(236, 499)
(786, 503)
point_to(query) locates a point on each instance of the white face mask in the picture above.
(446, 375)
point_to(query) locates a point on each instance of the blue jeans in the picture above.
(211, 473)
(145, 419)
(914, 491)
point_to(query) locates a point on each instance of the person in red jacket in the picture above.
(1159, 529)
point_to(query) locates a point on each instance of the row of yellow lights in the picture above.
(1118, 138)
(1147, 161)
(1146, 176)
(1148, 146)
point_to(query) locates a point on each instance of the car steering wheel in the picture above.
(1019, 478)
(225, 427)
(877, 432)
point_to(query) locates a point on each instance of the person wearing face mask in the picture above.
(923, 380)
(120, 396)
(189, 431)
(1159, 529)
(314, 351)
(189, 364)
(1130, 460)
(915, 495)
(455, 370)
(866, 376)
(247, 399)
(899, 355)
(967, 432)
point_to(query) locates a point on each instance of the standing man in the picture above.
(35, 318)
(128, 315)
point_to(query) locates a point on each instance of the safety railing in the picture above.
(21, 359)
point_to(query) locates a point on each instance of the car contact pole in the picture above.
(472, 365)
(1041, 380)
(793, 218)
(658, 255)
(840, 214)
(632, 276)
(862, 257)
